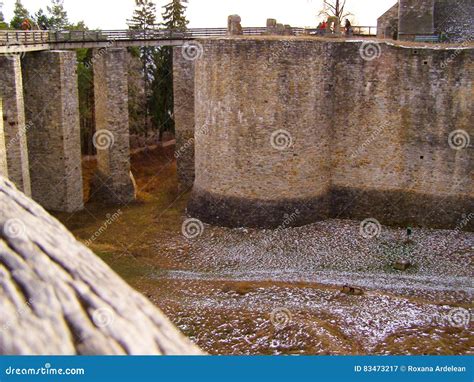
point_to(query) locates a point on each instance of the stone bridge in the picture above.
(353, 102)
(39, 131)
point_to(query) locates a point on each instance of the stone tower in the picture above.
(416, 17)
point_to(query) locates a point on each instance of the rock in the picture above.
(352, 291)
(234, 27)
(58, 297)
(402, 265)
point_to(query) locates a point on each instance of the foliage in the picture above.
(144, 15)
(20, 14)
(3, 24)
(86, 98)
(143, 19)
(173, 16)
(41, 19)
(161, 100)
(58, 18)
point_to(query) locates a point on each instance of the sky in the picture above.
(112, 14)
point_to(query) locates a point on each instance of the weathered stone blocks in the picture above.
(14, 125)
(3, 148)
(415, 18)
(52, 113)
(332, 129)
(183, 88)
(234, 27)
(266, 153)
(113, 181)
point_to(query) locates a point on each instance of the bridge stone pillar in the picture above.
(54, 146)
(14, 127)
(3, 148)
(183, 88)
(113, 181)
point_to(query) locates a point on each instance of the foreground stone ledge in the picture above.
(57, 297)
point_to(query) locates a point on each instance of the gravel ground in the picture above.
(333, 252)
(247, 291)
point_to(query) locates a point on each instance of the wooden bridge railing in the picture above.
(46, 37)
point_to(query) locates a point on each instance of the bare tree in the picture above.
(335, 8)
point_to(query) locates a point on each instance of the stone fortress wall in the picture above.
(454, 19)
(315, 129)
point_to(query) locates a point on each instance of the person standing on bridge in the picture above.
(348, 28)
(26, 25)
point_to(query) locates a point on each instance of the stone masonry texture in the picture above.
(452, 19)
(387, 24)
(14, 126)
(357, 135)
(52, 113)
(3, 148)
(415, 18)
(183, 88)
(113, 183)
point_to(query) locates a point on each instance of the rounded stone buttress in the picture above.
(261, 136)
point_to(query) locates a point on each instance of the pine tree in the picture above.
(20, 14)
(42, 20)
(58, 18)
(161, 102)
(144, 15)
(143, 20)
(174, 18)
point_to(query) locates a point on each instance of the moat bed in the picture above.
(242, 291)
